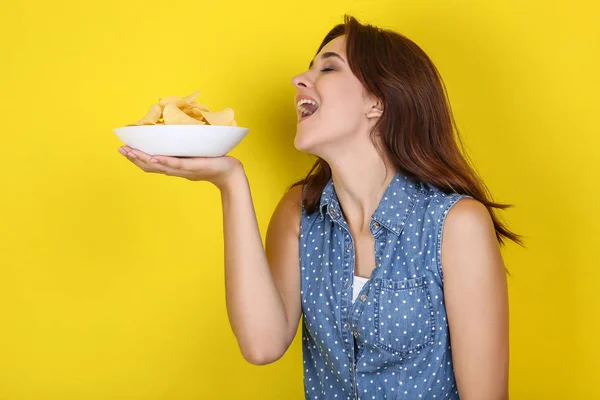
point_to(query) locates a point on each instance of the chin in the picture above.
(302, 142)
(311, 147)
(305, 142)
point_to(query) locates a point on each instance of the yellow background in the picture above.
(111, 280)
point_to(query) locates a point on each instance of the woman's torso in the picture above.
(392, 342)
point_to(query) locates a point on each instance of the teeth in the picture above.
(305, 101)
(304, 110)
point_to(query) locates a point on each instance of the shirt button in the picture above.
(355, 334)
(376, 225)
(363, 297)
(347, 285)
(346, 325)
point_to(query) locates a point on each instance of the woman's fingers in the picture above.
(148, 163)
(128, 151)
(170, 162)
(136, 157)
(193, 168)
(159, 165)
(140, 155)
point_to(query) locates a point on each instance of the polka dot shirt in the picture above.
(392, 342)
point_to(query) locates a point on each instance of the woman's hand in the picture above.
(216, 170)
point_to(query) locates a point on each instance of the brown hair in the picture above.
(417, 128)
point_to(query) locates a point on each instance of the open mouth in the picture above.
(307, 108)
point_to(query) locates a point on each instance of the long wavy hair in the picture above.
(417, 129)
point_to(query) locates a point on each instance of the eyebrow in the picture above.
(328, 54)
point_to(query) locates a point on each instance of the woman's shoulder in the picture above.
(469, 215)
(291, 200)
(433, 196)
(287, 214)
(455, 209)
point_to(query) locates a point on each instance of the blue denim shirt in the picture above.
(393, 341)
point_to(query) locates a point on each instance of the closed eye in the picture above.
(327, 69)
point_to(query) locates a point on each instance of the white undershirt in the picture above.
(359, 282)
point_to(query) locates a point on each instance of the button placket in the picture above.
(347, 291)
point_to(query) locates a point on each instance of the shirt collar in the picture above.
(393, 210)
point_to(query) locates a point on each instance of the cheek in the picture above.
(339, 98)
(341, 114)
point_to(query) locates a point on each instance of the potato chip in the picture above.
(223, 117)
(192, 97)
(174, 116)
(194, 113)
(175, 110)
(202, 107)
(178, 101)
(151, 118)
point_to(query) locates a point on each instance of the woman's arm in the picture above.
(475, 292)
(262, 285)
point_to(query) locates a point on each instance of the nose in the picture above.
(301, 81)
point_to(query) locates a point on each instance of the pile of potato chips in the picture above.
(173, 110)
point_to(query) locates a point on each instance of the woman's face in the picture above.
(341, 102)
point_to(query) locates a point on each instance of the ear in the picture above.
(376, 110)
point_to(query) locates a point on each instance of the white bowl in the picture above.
(182, 140)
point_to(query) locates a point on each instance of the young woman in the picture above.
(389, 249)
